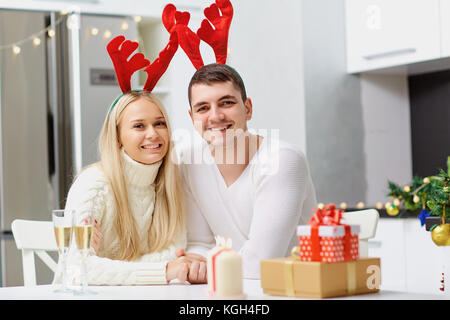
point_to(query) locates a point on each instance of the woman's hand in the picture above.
(178, 269)
(197, 267)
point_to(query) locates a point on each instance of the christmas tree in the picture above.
(430, 193)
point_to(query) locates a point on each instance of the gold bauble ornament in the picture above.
(441, 235)
(392, 210)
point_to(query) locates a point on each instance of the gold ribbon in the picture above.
(289, 272)
(351, 277)
(289, 278)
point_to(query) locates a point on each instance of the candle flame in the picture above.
(222, 242)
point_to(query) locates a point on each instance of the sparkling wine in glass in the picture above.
(83, 228)
(62, 224)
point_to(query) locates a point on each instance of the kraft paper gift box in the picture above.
(294, 278)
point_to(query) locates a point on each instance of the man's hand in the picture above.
(197, 266)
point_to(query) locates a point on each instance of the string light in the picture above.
(16, 50)
(73, 22)
(379, 205)
(94, 31)
(107, 34)
(17, 46)
(124, 26)
(407, 189)
(360, 205)
(36, 41)
(320, 205)
(343, 205)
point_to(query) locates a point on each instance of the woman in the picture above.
(135, 196)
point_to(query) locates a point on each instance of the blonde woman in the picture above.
(135, 195)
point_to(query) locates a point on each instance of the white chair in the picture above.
(368, 221)
(34, 237)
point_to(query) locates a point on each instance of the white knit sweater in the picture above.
(91, 192)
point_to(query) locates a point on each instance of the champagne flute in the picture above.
(84, 230)
(62, 224)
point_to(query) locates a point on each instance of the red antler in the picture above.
(159, 66)
(176, 21)
(119, 51)
(218, 38)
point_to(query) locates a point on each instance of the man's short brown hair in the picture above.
(215, 73)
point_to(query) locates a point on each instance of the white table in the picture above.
(178, 291)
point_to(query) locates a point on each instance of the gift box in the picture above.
(326, 239)
(294, 278)
(332, 243)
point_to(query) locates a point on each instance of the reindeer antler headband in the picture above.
(120, 50)
(219, 14)
(176, 22)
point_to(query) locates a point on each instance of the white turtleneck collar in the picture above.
(138, 174)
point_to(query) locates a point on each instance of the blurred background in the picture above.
(362, 87)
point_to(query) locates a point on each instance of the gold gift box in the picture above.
(292, 277)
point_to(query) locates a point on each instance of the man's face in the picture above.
(218, 111)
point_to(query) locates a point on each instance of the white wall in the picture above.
(334, 126)
(387, 133)
(267, 50)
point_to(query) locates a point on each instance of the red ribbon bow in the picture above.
(328, 216)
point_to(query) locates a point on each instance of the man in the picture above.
(252, 189)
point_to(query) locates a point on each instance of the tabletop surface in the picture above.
(179, 291)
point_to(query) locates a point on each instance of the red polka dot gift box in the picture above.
(325, 239)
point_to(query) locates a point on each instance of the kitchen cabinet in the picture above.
(410, 261)
(386, 33)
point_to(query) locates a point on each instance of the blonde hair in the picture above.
(168, 215)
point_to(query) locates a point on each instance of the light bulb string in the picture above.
(34, 35)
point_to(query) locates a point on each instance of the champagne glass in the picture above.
(62, 224)
(84, 230)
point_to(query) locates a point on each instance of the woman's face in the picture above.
(143, 132)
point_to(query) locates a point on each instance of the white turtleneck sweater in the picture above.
(90, 192)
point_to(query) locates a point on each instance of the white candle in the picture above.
(224, 269)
